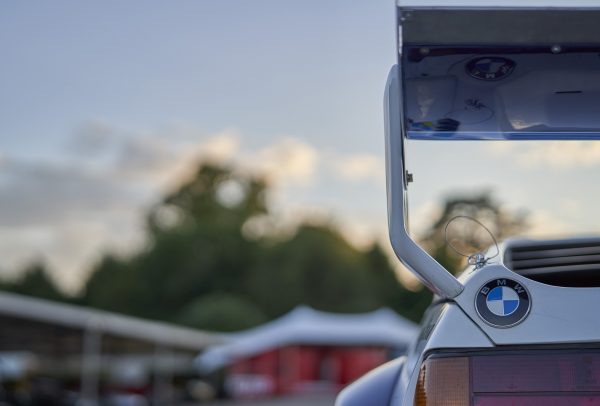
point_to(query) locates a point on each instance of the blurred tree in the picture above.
(221, 312)
(36, 281)
(316, 267)
(200, 268)
(196, 247)
(410, 304)
(468, 236)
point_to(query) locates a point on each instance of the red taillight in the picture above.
(538, 400)
(540, 377)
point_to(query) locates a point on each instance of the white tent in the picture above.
(306, 326)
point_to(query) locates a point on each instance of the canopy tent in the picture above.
(306, 326)
(63, 341)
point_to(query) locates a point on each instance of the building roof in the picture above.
(82, 318)
(306, 326)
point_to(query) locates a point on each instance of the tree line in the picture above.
(214, 260)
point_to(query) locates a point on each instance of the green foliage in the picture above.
(36, 281)
(221, 312)
(467, 236)
(316, 267)
(195, 248)
(410, 304)
(200, 269)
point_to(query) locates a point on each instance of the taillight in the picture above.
(443, 381)
(523, 378)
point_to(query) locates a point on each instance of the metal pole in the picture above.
(91, 363)
(162, 388)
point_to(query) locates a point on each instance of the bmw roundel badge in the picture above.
(490, 67)
(502, 302)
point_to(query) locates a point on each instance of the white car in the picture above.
(523, 328)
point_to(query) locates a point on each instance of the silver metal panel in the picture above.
(374, 388)
(453, 330)
(494, 26)
(427, 269)
(498, 4)
(557, 315)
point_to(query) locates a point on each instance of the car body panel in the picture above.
(555, 316)
(446, 327)
(558, 314)
(375, 388)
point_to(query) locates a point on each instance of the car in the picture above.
(523, 327)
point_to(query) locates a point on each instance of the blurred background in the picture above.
(192, 201)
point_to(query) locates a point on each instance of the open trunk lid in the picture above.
(479, 71)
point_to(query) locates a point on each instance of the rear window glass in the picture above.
(512, 92)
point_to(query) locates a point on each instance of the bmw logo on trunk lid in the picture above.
(502, 302)
(490, 68)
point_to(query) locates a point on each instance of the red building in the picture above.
(308, 351)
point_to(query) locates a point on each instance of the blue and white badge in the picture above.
(503, 302)
(490, 67)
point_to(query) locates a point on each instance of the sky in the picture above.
(104, 106)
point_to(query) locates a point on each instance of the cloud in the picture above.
(570, 206)
(33, 193)
(163, 157)
(556, 154)
(143, 154)
(93, 197)
(423, 216)
(362, 167)
(69, 247)
(92, 138)
(65, 215)
(160, 157)
(221, 147)
(185, 156)
(544, 224)
(287, 162)
(68, 211)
